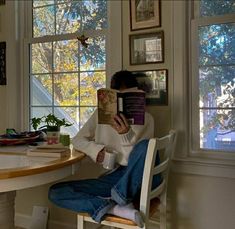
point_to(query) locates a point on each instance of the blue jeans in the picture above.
(97, 196)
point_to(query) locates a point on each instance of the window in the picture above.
(64, 74)
(213, 63)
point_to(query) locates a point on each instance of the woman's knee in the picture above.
(56, 191)
(140, 149)
(141, 146)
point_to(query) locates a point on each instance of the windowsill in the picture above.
(204, 167)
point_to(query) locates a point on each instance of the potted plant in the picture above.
(52, 122)
(52, 126)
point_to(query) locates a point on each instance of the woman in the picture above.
(114, 192)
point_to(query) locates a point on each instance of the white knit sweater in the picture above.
(93, 137)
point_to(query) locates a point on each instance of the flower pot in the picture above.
(53, 135)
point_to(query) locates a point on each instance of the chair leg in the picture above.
(163, 212)
(80, 222)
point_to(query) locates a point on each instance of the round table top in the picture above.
(19, 164)
(19, 171)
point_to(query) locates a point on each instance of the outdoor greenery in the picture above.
(216, 7)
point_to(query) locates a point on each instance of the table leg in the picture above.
(7, 209)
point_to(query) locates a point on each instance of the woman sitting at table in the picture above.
(114, 192)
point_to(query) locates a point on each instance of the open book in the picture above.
(56, 150)
(130, 102)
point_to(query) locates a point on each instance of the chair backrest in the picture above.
(166, 145)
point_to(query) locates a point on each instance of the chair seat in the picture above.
(113, 218)
(116, 219)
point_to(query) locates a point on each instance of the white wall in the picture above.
(201, 202)
(197, 202)
(10, 111)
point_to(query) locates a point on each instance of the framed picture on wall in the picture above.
(155, 84)
(146, 48)
(3, 80)
(145, 14)
(2, 2)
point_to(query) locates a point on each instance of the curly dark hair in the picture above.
(123, 79)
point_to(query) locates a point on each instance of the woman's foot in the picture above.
(129, 212)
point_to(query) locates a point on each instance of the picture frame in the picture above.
(2, 2)
(146, 48)
(3, 80)
(145, 14)
(155, 84)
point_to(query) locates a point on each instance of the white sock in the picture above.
(129, 212)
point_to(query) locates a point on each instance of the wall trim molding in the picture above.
(202, 168)
(22, 220)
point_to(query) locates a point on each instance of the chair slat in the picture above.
(163, 142)
(161, 167)
(157, 191)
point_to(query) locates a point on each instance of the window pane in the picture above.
(217, 44)
(85, 114)
(217, 86)
(66, 56)
(216, 7)
(93, 57)
(94, 14)
(79, 16)
(217, 129)
(70, 114)
(44, 21)
(66, 89)
(37, 3)
(68, 19)
(90, 82)
(41, 90)
(41, 57)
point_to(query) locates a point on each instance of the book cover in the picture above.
(129, 102)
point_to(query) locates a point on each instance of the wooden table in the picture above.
(18, 171)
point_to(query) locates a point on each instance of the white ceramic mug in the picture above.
(109, 159)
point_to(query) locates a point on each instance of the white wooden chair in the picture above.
(151, 201)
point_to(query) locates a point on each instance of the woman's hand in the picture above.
(120, 124)
(100, 156)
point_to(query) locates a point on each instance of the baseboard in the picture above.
(23, 221)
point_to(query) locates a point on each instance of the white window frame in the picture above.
(186, 160)
(196, 23)
(113, 58)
